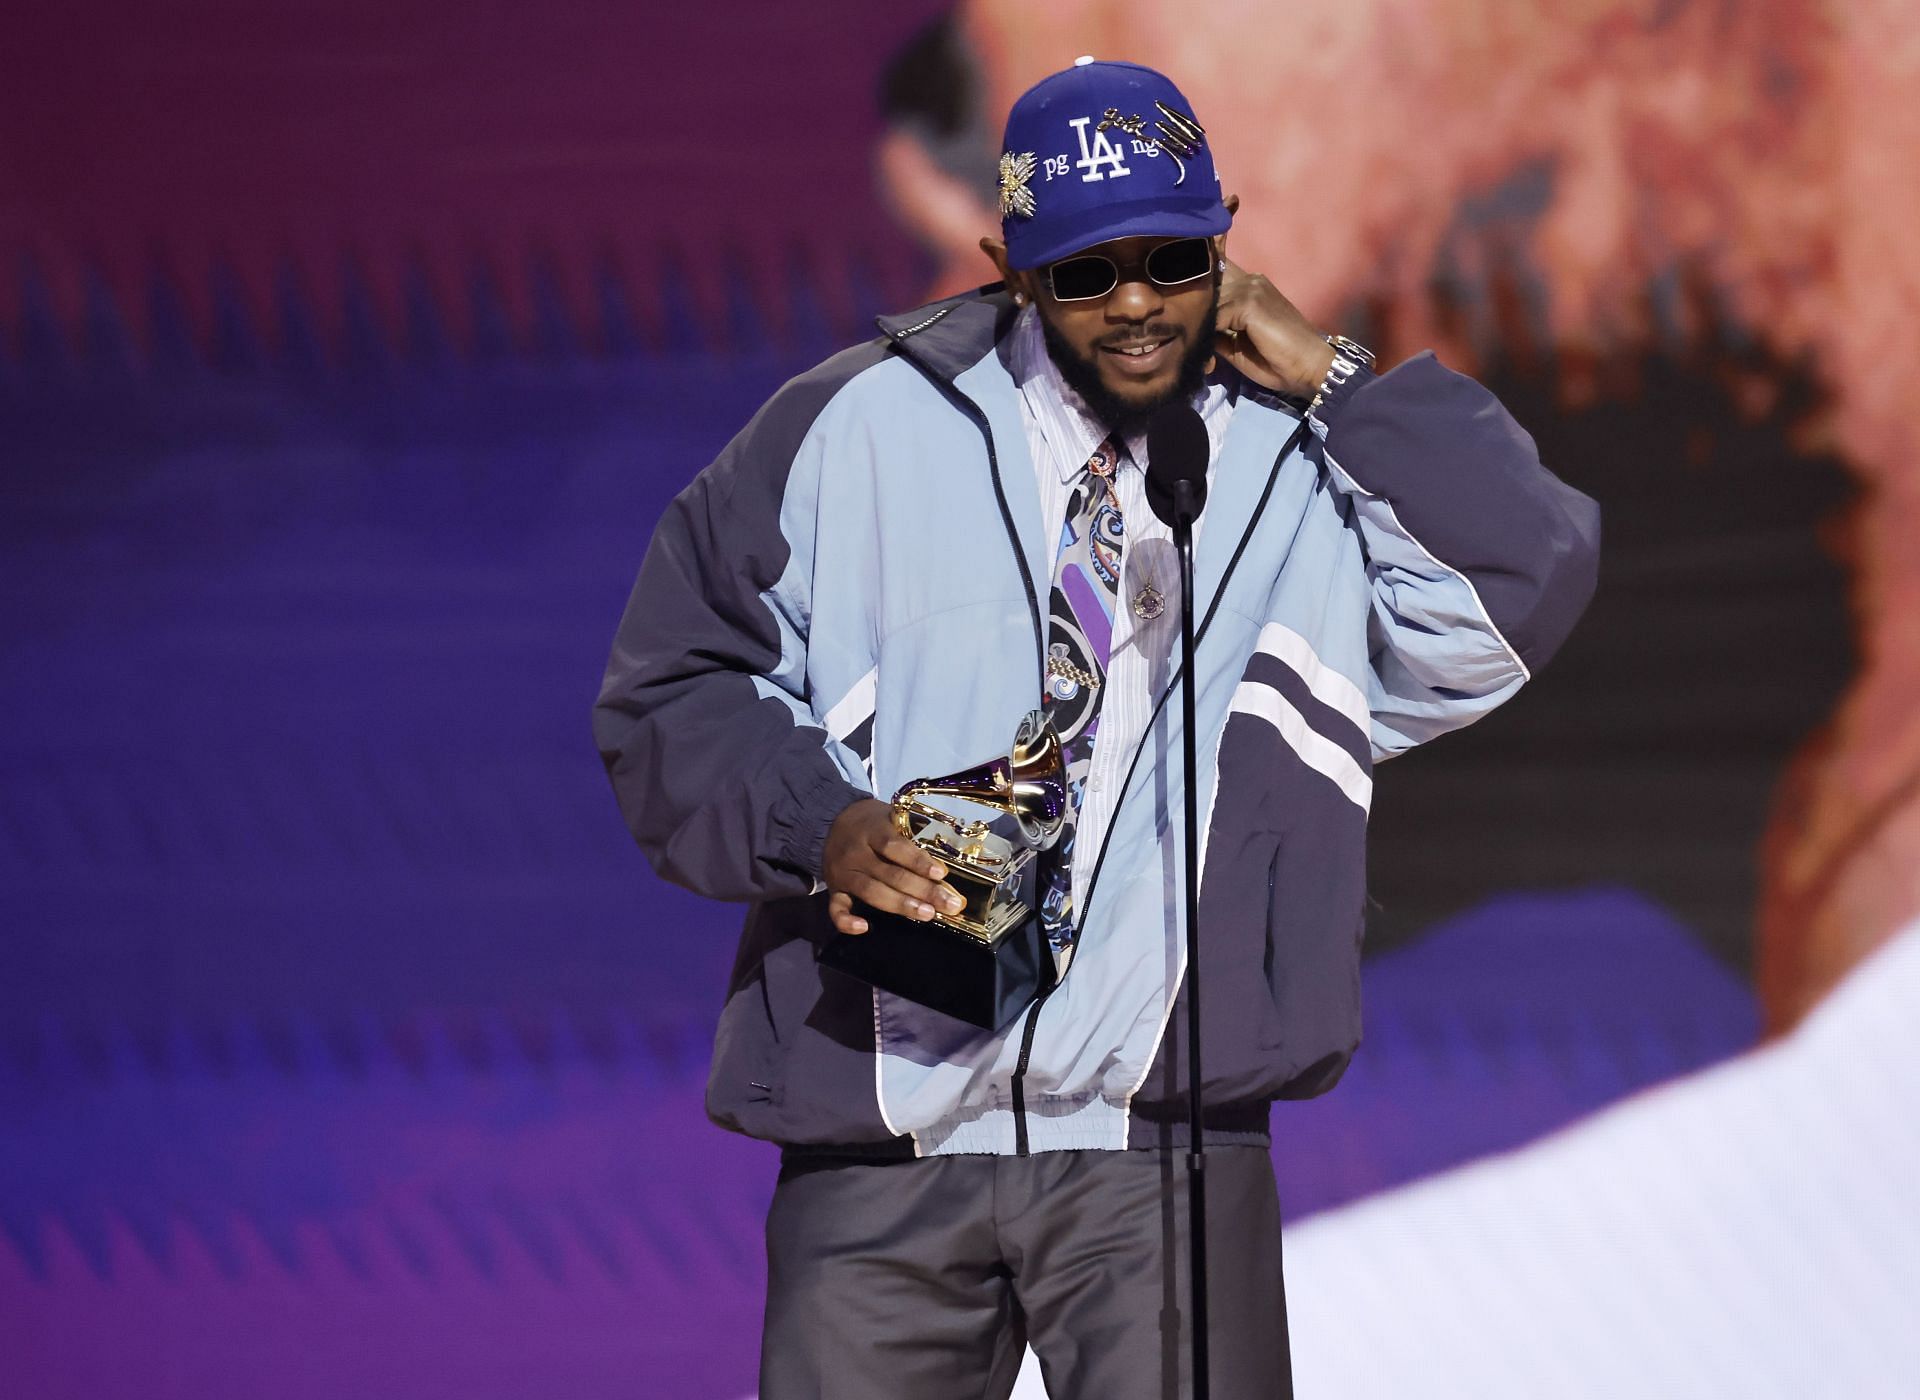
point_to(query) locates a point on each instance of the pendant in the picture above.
(1148, 603)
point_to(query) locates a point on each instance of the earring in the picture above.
(1019, 298)
(1223, 264)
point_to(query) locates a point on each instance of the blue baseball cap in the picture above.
(1100, 151)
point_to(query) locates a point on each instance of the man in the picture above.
(902, 553)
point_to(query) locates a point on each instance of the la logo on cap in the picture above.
(1102, 152)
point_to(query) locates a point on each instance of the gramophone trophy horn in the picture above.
(986, 962)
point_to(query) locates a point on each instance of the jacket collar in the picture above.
(947, 338)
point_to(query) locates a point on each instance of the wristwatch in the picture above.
(1352, 349)
(1349, 358)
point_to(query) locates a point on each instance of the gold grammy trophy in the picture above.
(985, 963)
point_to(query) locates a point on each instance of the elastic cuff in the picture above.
(1334, 397)
(814, 810)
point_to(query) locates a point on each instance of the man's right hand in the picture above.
(866, 857)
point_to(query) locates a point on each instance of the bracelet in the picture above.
(1339, 372)
(1349, 358)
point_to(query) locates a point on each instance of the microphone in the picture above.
(1177, 451)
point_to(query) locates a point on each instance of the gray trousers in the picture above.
(925, 1279)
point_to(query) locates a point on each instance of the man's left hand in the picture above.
(1264, 336)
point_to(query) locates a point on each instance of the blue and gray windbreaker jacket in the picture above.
(851, 597)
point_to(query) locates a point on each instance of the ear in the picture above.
(1232, 202)
(1021, 284)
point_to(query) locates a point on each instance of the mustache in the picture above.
(1144, 335)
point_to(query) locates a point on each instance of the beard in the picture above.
(1129, 417)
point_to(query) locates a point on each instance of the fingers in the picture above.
(893, 890)
(1241, 352)
(868, 860)
(908, 856)
(840, 910)
(1235, 284)
(895, 876)
(910, 871)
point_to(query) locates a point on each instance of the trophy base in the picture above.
(986, 981)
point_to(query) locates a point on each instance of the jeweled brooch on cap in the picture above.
(1177, 134)
(1180, 135)
(1016, 169)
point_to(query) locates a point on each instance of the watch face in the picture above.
(1353, 349)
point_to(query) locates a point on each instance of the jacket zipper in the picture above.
(973, 411)
(1019, 1085)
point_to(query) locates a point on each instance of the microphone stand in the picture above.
(1186, 509)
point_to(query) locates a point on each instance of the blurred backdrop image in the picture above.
(349, 356)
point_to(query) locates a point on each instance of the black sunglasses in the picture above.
(1092, 275)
